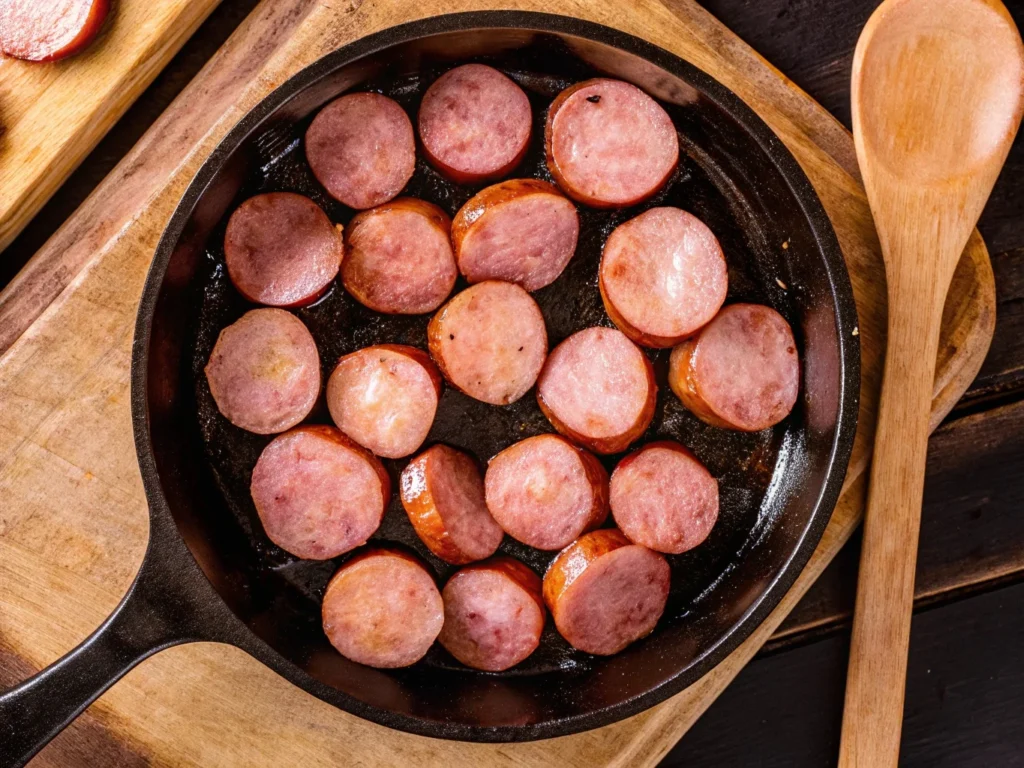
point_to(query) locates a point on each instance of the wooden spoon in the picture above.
(937, 98)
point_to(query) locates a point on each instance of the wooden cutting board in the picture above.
(53, 113)
(72, 512)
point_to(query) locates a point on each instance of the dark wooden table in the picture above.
(965, 692)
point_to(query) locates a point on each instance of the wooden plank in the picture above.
(183, 67)
(72, 512)
(1002, 375)
(142, 174)
(971, 530)
(971, 533)
(812, 42)
(53, 114)
(965, 684)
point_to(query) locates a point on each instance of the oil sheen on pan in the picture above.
(743, 463)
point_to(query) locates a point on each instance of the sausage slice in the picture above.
(662, 276)
(663, 498)
(490, 341)
(264, 371)
(493, 614)
(523, 231)
(362, 149)
(47, 30)
(443, 494)
(474, 123)
(382, 609)
(385, 397)
(545, 492)
(398, 257)
(609, 144)
(317, 493)
(598, 389)
(605, 593)
(741, 372)
(281, 250)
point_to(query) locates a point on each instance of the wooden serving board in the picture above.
(53, 113)
(72, 512)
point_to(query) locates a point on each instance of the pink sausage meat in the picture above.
(281, 250)
(604, 592)
(493, 614)
(523, 231)
(398, 257)
(474, 123)
(490, 341)
(385, 398)
(362, 149)
(382, 609)
(662, 276)
(545, 492)
(317, 493)
(741, 372)
(663, 498)
(264, 371)
(609, 144)
(443, 495)
(48, 30)
(598, 389)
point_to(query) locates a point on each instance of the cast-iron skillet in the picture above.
(211, 574)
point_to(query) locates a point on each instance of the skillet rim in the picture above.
(162, 520)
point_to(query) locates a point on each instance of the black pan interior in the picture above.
(773, 483)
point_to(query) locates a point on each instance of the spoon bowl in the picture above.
(966, 94)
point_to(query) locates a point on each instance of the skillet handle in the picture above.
(167, 604)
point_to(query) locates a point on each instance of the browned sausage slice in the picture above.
(523, 231)
(264, 371)
(493, 614)
(663, 498)
(662, 276)
(281, 250)
(490, 341)
(597, 388)
(382, 609)
(545, 492)
(474, 123)
(361, 147)
(609, 144)
(605, 593)
(443, 494)
(385, 398)
(317, 493)
(398, 257)
(741, 372)
(47, 30)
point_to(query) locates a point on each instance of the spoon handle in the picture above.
(873, 710)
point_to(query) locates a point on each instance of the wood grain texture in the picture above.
(1002, 375)
(965, 683)
(937, 95)
(971, 533)
(80, 743)
(52, 114)
(812, 42)
(72, 513)
(142, 173)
